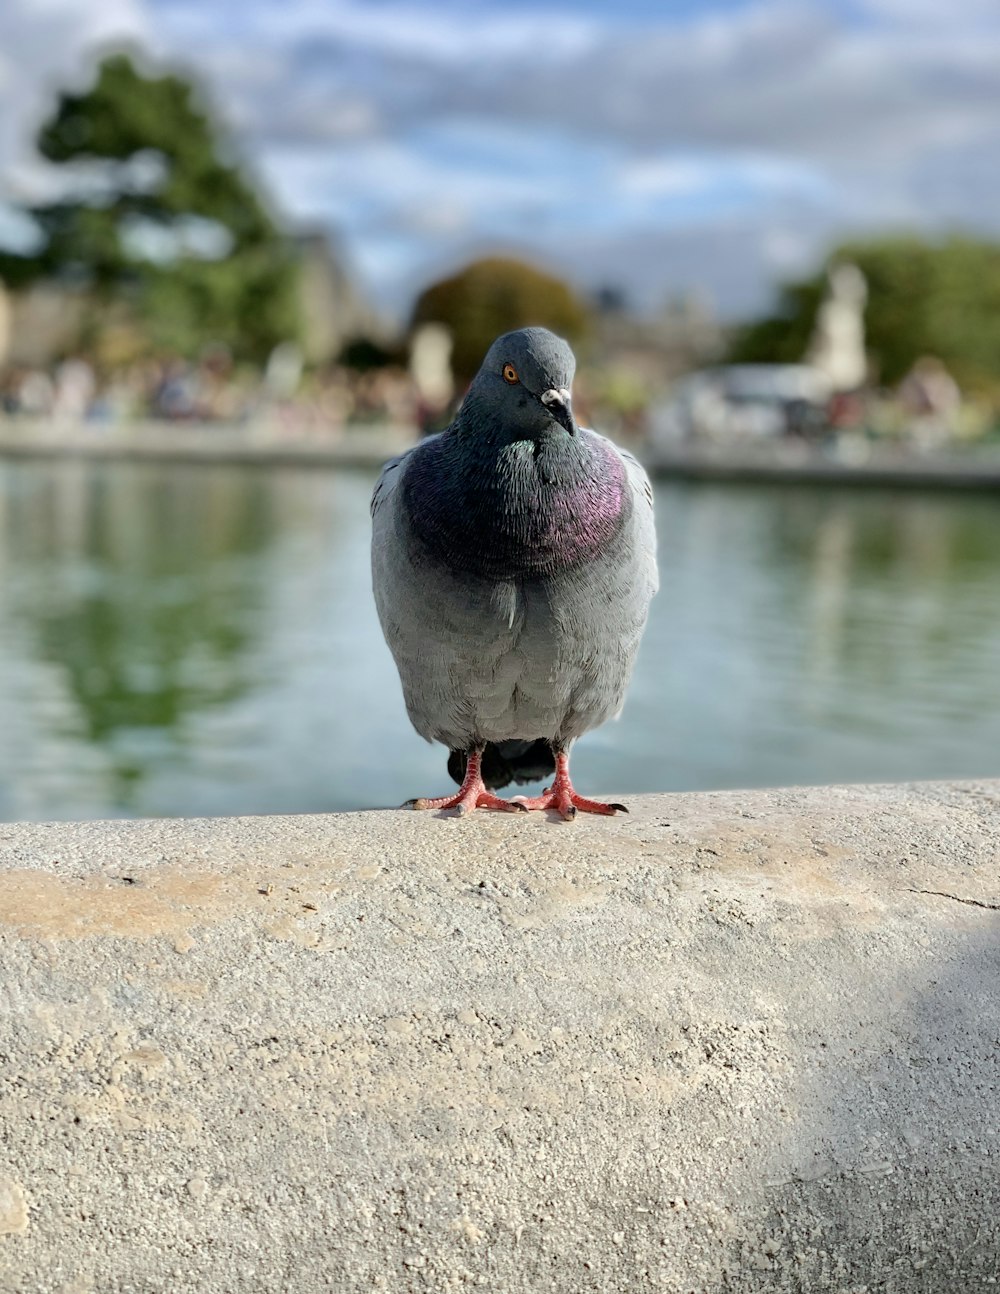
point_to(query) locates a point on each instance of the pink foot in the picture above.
(472, 794)
(561, 796)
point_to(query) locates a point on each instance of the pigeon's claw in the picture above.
(567, 803)
(472, 794)
(462, 804)
(485, 800)
(561, 796)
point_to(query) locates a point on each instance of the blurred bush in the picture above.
(492, 296)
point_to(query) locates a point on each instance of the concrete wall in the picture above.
(731, 1042)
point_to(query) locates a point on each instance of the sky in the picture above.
(665, 148)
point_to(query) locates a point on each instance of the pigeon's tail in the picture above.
(507, 761)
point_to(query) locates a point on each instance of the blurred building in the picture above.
(39, 324)
(685, 335)
(743, 402)
(46, 321)
(333, 311)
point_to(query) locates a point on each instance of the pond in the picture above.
(190, 639)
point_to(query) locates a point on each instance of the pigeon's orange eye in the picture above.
(509, 373)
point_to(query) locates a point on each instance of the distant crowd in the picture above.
(291, 399)
(213, 390)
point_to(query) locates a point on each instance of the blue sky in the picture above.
(715, 147)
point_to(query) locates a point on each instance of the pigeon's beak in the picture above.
(560, 405)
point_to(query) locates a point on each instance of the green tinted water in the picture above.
(201, 640)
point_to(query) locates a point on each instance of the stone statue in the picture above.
(5, 313)
(430, 364)
(837, 347)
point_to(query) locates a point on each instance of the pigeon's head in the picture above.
(524, 383)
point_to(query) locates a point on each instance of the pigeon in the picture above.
(513, 564)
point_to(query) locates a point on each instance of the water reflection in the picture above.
(829, 634)
(202, 640)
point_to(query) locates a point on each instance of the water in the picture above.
(201, 640)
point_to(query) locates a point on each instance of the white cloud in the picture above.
(46, 45)
(859, 122)
(932, 13)
(729, 145)
(435, 34)
(673, 176)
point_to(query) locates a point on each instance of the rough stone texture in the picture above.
(732, 1042)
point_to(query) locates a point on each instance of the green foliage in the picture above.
(160, 216)
(924, 298)
(492, 296)
(781, 338)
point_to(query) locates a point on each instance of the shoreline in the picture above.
(778, 462)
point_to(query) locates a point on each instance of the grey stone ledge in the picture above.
(732, 1042)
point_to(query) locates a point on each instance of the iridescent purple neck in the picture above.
(529, 508)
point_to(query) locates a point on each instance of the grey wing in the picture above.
(645, 527)
(602, 612)
(640, 539)
(387, 481)
(450, 637)
(392, 474)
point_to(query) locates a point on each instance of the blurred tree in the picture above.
(363, 354)
(490, 297)
(157, 213)
(924, 298)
